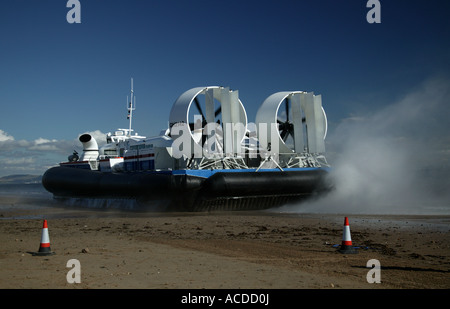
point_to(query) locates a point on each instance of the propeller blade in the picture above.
(197, 103)
(284, 134)
(291, 131)
(287, 108)
(218, 111)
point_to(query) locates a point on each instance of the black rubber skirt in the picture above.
(221, 191)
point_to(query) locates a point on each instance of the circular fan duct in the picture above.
(217, 107)
(292, 122)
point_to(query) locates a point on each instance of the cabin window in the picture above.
(110, 152)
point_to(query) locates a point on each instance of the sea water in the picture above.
(34, 198)
(32, 190)
(21, 198)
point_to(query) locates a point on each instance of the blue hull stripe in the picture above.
(209, 173)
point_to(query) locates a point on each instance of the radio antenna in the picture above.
(131, 106)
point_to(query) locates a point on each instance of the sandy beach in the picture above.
(221, 250)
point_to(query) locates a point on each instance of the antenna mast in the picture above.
(131, 107)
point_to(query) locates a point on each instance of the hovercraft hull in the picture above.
(191, 190)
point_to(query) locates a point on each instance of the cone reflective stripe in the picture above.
(44, 248)
(347, 246)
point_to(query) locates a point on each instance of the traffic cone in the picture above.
(44, 248)
(347, 246)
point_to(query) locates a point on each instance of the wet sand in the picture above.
(221, 250)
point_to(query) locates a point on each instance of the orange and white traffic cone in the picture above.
(347, 246)
(44, 248)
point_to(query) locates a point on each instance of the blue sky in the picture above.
(58, 80)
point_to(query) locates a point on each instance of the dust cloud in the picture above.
(394, 160)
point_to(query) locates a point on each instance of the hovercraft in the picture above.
(209, 158)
